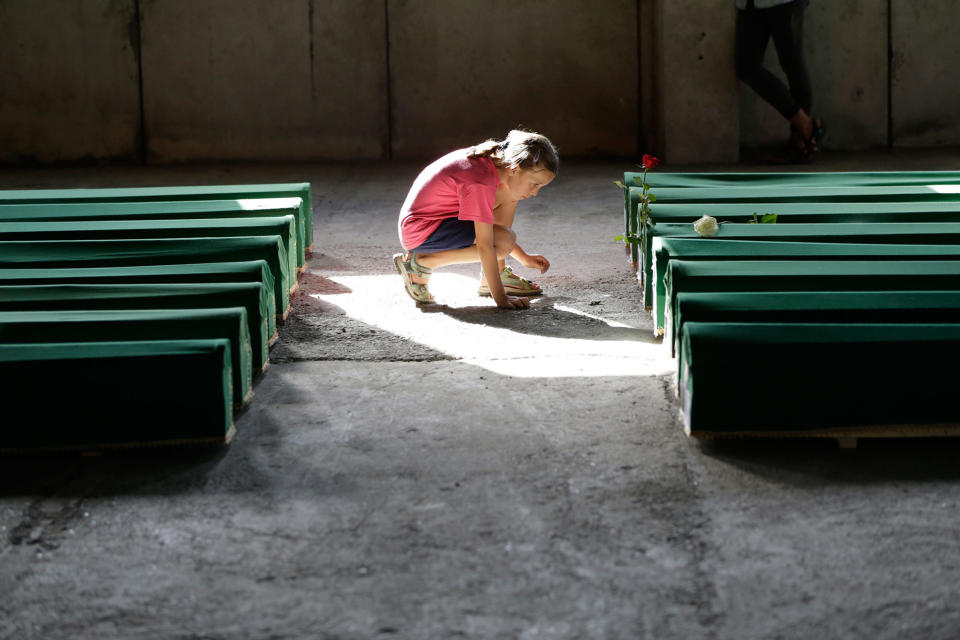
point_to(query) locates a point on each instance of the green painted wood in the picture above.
(171, 193)
(667, 249)
(108, 394)
(119, 253)
(806, 275)
(809, 212)
(254, 297)
(862, 232)
(832, 307)
(256, 272)
(721, 202)
(849, 232)
(19, 327)
(904, 193)
(792, 178)
(760, 378)
(841, 193)
(283, 226)
(175, 210)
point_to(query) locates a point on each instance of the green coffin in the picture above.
(103, 394)
(282, 226)
(807, 275)
(255, 298)
(848, 232)
(253, 271)
(809, 212)
(819, 379)
(109, 253)
(737, 195)
(159, 194)
(794, 179)
(866, 232)
(907, 193)
(666, 249)
(19, 327)
(832, 307)
(176, 210)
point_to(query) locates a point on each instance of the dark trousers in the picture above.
(783, 23)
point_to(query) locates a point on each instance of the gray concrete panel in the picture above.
(463, 71)
(245, 79)
(925, 83)
(68, 81)
(698, 95)
(845, 46)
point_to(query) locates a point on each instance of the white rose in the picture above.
(706, 226)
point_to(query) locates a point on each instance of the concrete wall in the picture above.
(845, 46)
(925, 82)
(196, 80)
(697, 95)
(68, 81)
(248, 79)
(463, 71)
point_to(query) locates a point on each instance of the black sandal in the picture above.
(814, 142)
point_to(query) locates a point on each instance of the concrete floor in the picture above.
(471, 473)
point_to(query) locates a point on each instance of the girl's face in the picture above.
(526, 183)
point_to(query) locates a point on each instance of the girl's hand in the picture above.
(513, 302)
(536, 261)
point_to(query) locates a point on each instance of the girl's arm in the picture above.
(530, 260)
(489, 264)
(503, 214)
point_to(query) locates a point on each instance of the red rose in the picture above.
(649, 162)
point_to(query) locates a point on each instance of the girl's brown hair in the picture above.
(520, 149)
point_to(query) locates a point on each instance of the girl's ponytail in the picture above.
(484, 149)
(520, 149)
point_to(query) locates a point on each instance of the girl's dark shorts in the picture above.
(452, 233)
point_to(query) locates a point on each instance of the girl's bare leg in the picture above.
(504, 239)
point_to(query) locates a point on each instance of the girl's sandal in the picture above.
(513, 285)
(419, 292)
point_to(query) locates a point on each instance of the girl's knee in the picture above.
(504, 239)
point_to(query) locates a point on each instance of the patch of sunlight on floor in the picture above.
(548, 340)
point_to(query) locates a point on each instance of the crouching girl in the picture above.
(460, 209)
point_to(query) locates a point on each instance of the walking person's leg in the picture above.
(752, 35)
(786, 28)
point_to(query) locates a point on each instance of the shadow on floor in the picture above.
(122, 471)
(546, 317)
(875, 460)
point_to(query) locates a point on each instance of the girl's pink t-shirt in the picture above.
(454, 186)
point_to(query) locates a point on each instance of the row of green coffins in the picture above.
(658, 181)
(141, 315)
(820, 201)
(841, 241)
(831, 322)
(815, 347)
(789, 186)
(180, 202)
